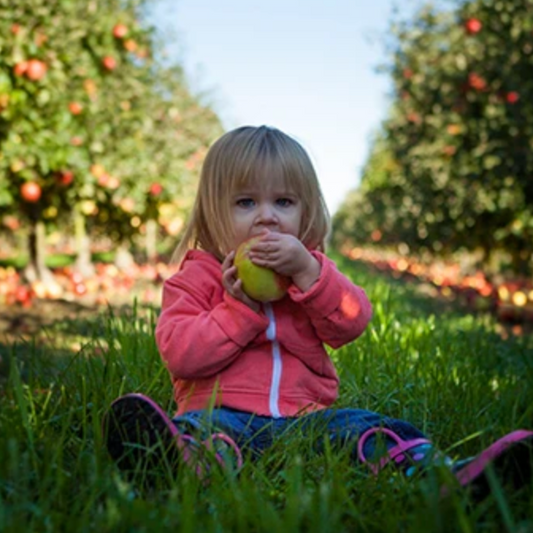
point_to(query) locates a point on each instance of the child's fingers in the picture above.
(230, 273)
(237, 288)
(265, 260)
(238, 291)
(267, 238)
(228, 260)
(228, 278)
(265, 250)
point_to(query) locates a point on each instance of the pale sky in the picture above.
(307, 67)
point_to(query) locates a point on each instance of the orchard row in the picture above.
(108, 285)
(451, 167)
(509, 300)
(97, 127)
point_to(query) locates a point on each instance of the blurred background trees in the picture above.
(451, 169)
(101, 140)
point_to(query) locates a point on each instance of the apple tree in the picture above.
(88, 121)
(156, 163)
(458, 138)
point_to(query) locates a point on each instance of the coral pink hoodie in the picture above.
(273, 363)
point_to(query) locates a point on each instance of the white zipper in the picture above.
(276, 361)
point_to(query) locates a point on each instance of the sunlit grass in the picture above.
(55, 260)
(450, 375)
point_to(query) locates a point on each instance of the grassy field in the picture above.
(449, 374)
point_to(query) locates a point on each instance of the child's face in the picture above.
(255, 209)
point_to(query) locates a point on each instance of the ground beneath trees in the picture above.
(18, 321)
(27, 309)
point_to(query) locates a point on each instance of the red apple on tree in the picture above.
(113, 182)
(90, 88)
(127, 204)
(36, 70)
(130, 45)
(65, 178)
(103, 179)
(414, 117)
(449, 150)
(454, 129)
(473, 26)
(21, 68)
(475, 81)
(120, 31)
(156, 189)
(75, 108)
(512, 97)
(30, 191)
(40, 38)
(109, 63)
(97, 170)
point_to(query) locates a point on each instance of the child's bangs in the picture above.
(272, 171)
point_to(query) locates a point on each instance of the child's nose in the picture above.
(267, 213)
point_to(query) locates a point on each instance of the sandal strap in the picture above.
(187, 444)
(396, 453)
(228, 441)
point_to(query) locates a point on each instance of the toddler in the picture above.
(245, 372)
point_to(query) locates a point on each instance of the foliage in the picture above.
(452, 166)
(92, 115)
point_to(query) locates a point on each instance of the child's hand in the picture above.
(286, 255)
(233, 285)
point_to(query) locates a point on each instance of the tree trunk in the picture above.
(123, 257)
(521, 262)
(84, 264)
(151, 240)
(36, 270)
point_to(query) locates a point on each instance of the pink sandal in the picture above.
(138, 432)
(511, 458)
(397, 454)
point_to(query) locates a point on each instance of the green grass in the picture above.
(55, 260)
(449, 374)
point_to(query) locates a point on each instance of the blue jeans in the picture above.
(254, 433)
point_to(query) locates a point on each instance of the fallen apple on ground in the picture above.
(260, 283)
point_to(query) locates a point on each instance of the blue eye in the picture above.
(245, 202)
(284, 202)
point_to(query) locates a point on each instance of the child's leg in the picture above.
(210, 437)
(381, 442)
(373, 438)
(250, 432)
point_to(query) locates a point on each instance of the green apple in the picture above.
(260, 283)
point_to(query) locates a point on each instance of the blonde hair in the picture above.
(250, 156)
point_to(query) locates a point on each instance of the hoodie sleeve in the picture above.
(338, 309)
(195, 339)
